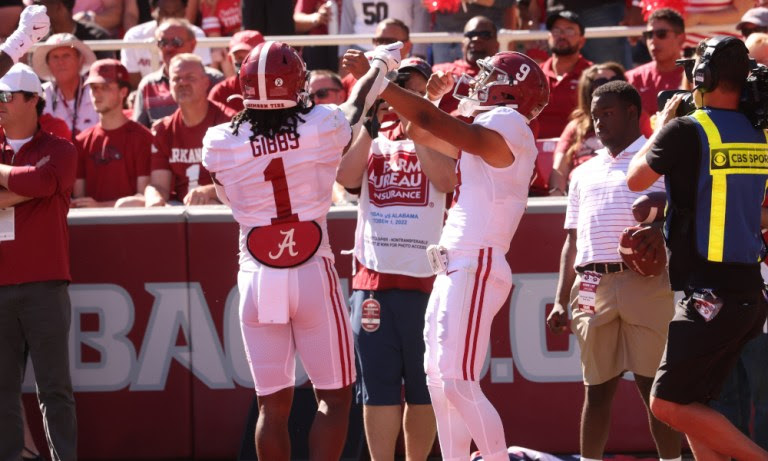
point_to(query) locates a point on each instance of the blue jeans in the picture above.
(746, 386)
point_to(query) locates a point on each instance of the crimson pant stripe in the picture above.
(467, 340)
(344, 325)
(331, 291)
(480, 314)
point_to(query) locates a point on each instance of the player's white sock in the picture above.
(590, 459)
(479, 416)
(453, 434)
(679, 458)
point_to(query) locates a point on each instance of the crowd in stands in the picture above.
(575, 66)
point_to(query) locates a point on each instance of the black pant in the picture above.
(36, 314)
(700, 354)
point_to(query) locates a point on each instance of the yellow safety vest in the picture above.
(732, 180)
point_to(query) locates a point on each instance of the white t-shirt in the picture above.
(361, 17)
(17, 144)
(489, 202)
(56, 105)
(140, 59)
(262, 177)
(600, 204)
(400, 212)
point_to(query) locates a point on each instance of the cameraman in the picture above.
(716, 166)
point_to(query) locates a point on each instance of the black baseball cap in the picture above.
(568, 16)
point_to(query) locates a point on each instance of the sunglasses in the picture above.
(323, 93)
(384, 40)
(661, 34)
(571, 32)
(7, 96)
(175, 42)
(747, 31)
(481, 34)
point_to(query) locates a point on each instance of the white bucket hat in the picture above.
(57, 41)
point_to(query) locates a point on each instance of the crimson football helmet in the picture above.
(273, 76)
(508, 79)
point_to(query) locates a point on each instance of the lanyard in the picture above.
(79, 92)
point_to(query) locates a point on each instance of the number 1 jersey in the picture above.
(290, 177)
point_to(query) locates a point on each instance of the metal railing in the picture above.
(505, 36)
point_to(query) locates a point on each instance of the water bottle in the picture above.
(333, 19)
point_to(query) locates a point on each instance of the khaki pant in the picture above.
(628, 330)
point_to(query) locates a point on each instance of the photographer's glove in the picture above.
(389, 55)
(34, 24)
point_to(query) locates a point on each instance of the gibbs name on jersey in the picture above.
(396, 179)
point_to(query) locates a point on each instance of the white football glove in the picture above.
(389, 55)
(35, 22)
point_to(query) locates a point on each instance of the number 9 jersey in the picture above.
(288, 178)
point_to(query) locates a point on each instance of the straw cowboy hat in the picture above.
(39, 63)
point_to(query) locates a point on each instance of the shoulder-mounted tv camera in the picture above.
(754, 95)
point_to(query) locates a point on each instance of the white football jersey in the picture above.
(489, 202)
(268, 180)
(361, 17)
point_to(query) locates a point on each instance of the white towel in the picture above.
(272, 295)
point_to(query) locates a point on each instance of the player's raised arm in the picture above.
(34, 24)
(371, 80)
(505, 79)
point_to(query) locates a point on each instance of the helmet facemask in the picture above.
(478, 88)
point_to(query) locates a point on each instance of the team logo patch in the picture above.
(284, 245)
(371, 315)
(278, 82)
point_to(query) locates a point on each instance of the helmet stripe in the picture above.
(262, 69)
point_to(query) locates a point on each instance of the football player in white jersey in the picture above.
(275, 165)
(496, 154)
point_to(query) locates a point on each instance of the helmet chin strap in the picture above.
(467, 107)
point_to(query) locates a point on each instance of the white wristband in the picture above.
(379, 64)
(17, 45)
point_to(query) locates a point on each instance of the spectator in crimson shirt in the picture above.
(113, 161)
(220, 18)
(563, 68)
(665, 36)
(177, 172)
(37, 171)
(480, 41)
(239, 46)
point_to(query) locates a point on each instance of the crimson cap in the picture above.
(106, 71)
